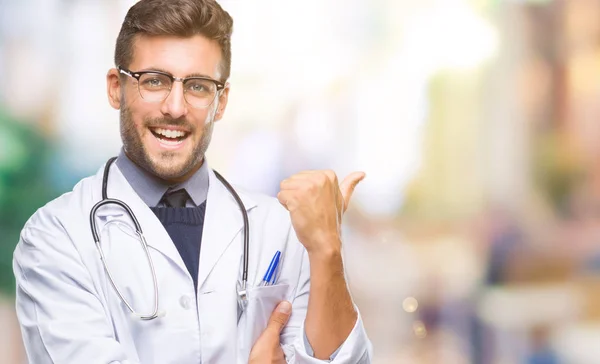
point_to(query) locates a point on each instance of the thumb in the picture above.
(349, 184)
(280, 317)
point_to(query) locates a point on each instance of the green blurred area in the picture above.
(25, 157)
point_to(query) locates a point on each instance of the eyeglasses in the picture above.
(155, 86)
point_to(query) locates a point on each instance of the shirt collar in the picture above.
(151, 188)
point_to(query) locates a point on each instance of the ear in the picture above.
(222, 104)
(113, 88)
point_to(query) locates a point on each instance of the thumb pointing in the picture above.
(349, 184)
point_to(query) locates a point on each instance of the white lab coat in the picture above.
(69, 313)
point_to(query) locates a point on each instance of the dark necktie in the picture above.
(175, 198)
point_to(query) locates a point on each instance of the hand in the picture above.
(316, 204)
(267, 350)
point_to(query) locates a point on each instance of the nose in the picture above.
(175, 105)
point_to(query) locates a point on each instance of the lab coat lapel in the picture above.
(155, 234)
(222, 223)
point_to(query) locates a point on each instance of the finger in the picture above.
(281, 197)
(293, 184)
(349, 184)
(331, 176)
(321, 178)
(306, 175)
(280, 317)
(287, 199)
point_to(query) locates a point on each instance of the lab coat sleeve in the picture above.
(62, 319)
(356, 349)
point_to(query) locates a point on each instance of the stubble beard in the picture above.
(162, 168)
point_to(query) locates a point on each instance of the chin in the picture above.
(170, 168)
(168, 171)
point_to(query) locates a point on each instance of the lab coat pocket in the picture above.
(261, 303)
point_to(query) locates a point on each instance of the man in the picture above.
(176, 300)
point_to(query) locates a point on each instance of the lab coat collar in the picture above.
(223, 222)
(223, 219)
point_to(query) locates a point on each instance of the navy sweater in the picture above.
(184, 225)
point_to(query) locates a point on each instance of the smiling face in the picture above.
(168, 138)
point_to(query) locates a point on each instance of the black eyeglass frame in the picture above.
(137, 75)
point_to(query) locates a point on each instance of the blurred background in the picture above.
(475, 237)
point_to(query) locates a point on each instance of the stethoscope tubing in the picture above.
(107, 201)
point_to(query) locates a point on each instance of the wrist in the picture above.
(325, 257)
(326, 248)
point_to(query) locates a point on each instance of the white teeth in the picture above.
(169, 133)
(170, 142)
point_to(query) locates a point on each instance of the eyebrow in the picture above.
(150, 69)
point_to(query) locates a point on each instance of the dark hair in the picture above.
(182, 18)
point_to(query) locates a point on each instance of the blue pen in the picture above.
(269, 277)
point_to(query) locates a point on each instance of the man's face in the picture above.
(168, 138)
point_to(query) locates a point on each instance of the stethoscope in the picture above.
(241, 287)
